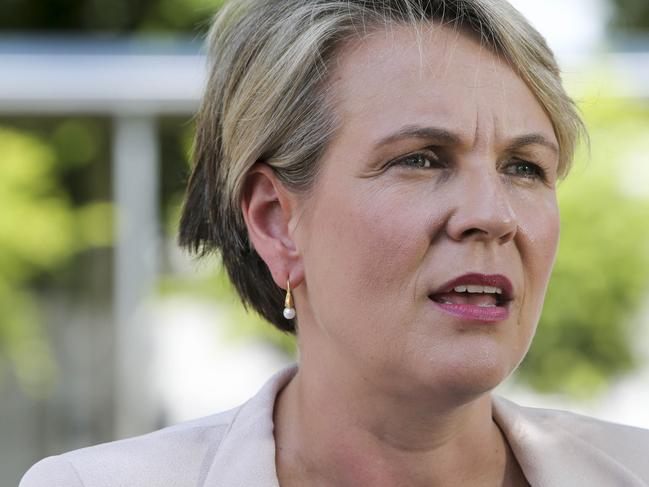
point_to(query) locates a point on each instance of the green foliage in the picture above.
(108, 16)
(187, 15)
(40, 230)
(76, 143)
(31, 240)
(23, 346)
(631, 15)
(585, 336)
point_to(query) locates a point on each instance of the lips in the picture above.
(475, 297)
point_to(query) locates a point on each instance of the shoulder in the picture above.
(588, 428)
(575, 438)
(168, 457)
(235, 447)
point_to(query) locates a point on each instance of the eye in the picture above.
(525, 169)
(419, 160)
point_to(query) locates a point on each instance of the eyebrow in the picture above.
(450, 138)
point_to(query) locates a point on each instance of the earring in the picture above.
(289, 310)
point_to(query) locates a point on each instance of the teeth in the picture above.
(486, 306)
(477, 289)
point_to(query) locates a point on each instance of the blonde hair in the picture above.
(267, 100)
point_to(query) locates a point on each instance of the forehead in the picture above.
(431, 75)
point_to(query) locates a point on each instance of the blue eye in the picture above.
(418, 160)
(526, 169)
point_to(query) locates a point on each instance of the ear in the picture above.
(267, 210)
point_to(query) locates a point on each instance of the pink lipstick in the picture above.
(475, 297)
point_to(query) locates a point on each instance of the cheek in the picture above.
(539, 227)
(370, 244)
(374, 240)
(544, 233)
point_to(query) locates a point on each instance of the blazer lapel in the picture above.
(552, 455)
(246, 455)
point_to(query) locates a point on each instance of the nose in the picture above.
(483, 210)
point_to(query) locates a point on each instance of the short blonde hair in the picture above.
(266, 101)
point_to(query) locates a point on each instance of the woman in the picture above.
(379, 177)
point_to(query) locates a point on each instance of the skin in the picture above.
(391, 390)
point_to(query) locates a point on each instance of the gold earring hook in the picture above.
(288, 302)
(289, 310)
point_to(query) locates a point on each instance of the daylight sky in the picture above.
(573, 29)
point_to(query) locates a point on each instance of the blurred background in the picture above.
(108, 330)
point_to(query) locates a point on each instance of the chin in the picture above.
(468, 373)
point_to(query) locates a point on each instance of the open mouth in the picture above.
(475, 297)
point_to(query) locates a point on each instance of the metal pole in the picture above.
(135, 180)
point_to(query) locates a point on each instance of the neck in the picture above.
(336, 429)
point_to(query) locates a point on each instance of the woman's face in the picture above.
(443, 166)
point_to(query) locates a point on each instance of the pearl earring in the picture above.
(289, 310)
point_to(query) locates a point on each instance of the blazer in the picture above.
(236, 448)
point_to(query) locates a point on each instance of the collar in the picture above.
(552, 453)
(246, 455)
(549, 454)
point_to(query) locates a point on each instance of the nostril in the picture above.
(502, 235)
(473, 231)
(509, 235)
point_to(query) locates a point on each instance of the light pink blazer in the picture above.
(236, 449)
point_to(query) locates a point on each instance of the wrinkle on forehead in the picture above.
(438, 76)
